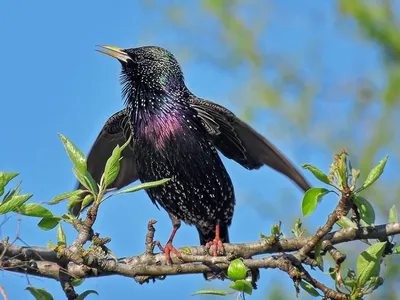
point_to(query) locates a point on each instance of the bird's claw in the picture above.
(218, 247)
(167, 250)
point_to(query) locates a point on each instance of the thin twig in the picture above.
(3, 293)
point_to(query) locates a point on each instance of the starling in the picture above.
(176, 135)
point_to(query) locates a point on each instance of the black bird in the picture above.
(176, 135)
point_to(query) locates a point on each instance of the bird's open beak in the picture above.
(117, 53)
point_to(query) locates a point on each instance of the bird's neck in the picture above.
(146, 105)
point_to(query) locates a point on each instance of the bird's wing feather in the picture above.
(115, 132)
(238, 141)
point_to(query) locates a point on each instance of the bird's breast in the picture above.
(158, 130)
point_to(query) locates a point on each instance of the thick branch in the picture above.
(45, 262)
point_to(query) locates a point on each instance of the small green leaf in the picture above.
(297, 228)
(11, 194)
(397, 250)
(242, 286)
(34, 210)
(321, 176)
(61, 238)
(68, 218)
(369, 263)
(112, 167)
(393, 215)
(77, 281)
(49, 223)
(14, 203)
(318, 256)
(275, 229)
(332, 273)
(309, 289)
(50, 244)
(311, 199)
(39, 294)
(59, 198)
(237, 270)
(76, 156)
(142, 186)
(374, 174)
(86, 180)
(345, 222)
(211, 292)
(85, 294)
(5, 178)
(72, 201)
(87, 201)
(349, 283)
(365, 209)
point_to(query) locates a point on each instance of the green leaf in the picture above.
(318, 256)
(68, 218)
(61, 238)
(112, 167)
(309, 289)
(242, 286)
(311, 198)
(49, 223)
(76, 156)
(374, 174)
(211, 292)
(345, 222)
(87, 201)
(85, 179)
(34, 210)
(72, 201)
(59, 198)
(297, 228)
(369, 263)
(77, 281)
(397, 250)
(332, 273)
(393, 215)
(39, 294)
(321, 176)
(85, 294)
(365, 209)
(11, 194)
(50, 244)
(142, 186)
(14, 203)
(349, 283)
(5, 178)
(237, 270)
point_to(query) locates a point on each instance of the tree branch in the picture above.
(46, 262)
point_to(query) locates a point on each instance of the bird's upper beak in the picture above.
(117, 53)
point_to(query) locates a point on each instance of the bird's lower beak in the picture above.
(117, 53)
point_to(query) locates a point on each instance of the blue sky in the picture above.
(53, 81)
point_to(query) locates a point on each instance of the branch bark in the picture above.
(46, 262)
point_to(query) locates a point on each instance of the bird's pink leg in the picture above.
(216, 243)
(169, 247)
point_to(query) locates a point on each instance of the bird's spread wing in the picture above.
(238, 141)
(115, 132)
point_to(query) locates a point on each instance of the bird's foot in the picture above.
(167, 250)
(218, 247)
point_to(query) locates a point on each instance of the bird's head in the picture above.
(148, 68)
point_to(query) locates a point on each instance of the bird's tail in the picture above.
(209, 236)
